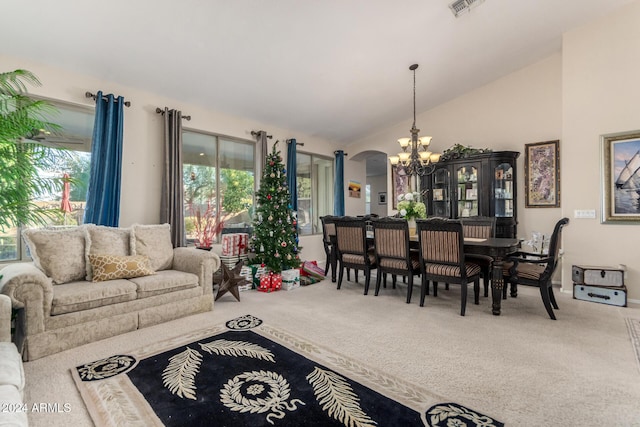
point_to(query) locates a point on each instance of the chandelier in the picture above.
(415, 158)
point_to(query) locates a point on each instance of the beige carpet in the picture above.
(521, 367)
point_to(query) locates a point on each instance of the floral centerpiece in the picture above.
(410, 207)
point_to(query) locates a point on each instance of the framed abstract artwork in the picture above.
(399, 184)
(620, 177)
(542, 174)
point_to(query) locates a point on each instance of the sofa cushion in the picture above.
(101, 240)
(153, 241)
(11, 372)
(164, 282)
(111, 267)
(60, 254)
(82, 295)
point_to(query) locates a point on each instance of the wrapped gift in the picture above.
(265, 283)
(234, 244)
(290, 279)
(276, 281)
(257, 271)
(311, 268)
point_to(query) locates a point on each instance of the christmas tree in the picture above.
(275, 236)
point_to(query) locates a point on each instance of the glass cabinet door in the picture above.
(503, 187)
(467, 187)
(441, 195)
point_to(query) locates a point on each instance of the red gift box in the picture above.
(270, 282)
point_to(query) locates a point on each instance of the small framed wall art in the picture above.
(542, 174)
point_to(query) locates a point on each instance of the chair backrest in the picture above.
(391, 238)
(479, 227)
(554, 245)
(441, 241)
(328, 227)
(351, 236)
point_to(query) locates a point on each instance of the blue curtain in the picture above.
(292, 171)
(103, 195)
(338, 189)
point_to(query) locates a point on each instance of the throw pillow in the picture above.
(58, 253)
(103, 240)
(111, 267)
(153, 241)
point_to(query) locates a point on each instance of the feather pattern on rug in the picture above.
(237, 348)
(180, 374)
(337, 398)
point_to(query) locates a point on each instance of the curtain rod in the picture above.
(297, 143)
(93, 96)
(336, 152)
(161, 111)
(256, 132)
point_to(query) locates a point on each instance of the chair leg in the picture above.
(394, 279)
(367, 279)
(349, 274)
(486, 275)
(355, 273)
(544, 292)
(476, 291)
(463, 299)
(435, 289)
(424, 288)
(552, 297)
(341, 275)
(446, 286)
(378, 280)
(410, 287)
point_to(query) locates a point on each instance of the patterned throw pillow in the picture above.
(153, 241)
(110, 267)
(103, 240)
(58, 253)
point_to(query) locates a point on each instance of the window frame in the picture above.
(316, 226)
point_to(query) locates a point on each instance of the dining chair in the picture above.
(534, 269)
(352, 248)
(393, 255)
(328, 241)
(480, 227)
(442, 258)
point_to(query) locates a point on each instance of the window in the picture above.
(69, 151)
(314, 192)
(219, 183)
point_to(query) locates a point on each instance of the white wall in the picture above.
(143, 137)
(378, 184)
(601, 90)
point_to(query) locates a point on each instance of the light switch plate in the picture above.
(584, 213)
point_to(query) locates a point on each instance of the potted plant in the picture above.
(206, 225)
(20, 157)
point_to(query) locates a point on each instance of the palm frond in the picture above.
(237, 349)
(179, 376)
(338, 399)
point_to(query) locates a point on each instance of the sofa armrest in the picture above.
(201, 263)
(5, 318)
(29, 289)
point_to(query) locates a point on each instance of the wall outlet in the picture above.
(584, 213)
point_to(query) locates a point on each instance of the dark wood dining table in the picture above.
(497, 248)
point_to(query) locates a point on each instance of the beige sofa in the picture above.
(14, 411)
(91, 282)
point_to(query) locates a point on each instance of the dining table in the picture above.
(498, 248)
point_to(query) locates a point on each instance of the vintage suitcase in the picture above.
(612, 295)
(599, 276)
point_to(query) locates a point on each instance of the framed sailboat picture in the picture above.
(621, 177)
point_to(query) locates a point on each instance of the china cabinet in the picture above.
(475, 185)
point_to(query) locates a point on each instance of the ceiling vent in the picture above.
(459, 7)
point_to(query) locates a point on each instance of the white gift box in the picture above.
(291, 279)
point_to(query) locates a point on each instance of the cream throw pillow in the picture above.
(102, 240)
(60, 254)
(111, 267)
(153, 241)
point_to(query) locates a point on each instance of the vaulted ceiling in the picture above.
(336, 69)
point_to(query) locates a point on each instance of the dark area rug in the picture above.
(248, 374)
